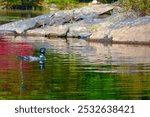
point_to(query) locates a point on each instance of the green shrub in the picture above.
(63, 4)
(61, 1)
(141, 6)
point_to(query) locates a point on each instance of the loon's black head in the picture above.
(43, 50)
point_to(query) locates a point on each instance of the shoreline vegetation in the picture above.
(140, 6)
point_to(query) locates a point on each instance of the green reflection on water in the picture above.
(66, 77)
(7, 16)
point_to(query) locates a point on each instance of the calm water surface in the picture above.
(14, 15)
(75, 69)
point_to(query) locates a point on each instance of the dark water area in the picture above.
(74, 69)
(14, 15)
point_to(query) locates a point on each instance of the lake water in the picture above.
(14, 15)
(74, 69)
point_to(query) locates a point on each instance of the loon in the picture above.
(33, 58)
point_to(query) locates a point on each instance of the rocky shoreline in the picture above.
(100, 22)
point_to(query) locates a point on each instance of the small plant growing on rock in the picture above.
(140, 6)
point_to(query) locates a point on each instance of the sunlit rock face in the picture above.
(137, 34)
(123, 29)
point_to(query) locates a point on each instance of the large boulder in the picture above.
(21, 26)
(122, 27)
(136, 34)
(78, 32)
(58, 31)
(81, 29)
(61, 18)
(99, 35)
(90, 12)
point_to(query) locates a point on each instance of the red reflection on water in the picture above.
(9, 51)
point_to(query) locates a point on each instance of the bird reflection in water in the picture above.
(41, 60)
